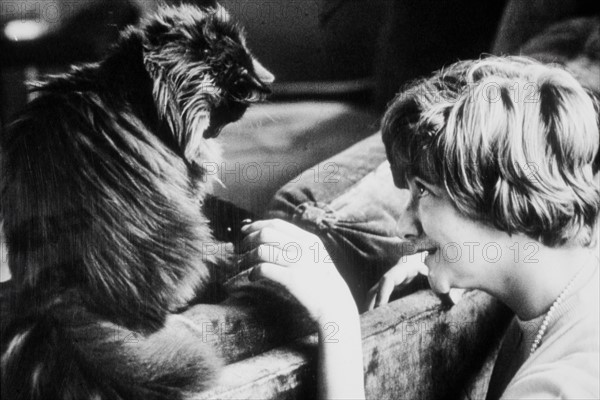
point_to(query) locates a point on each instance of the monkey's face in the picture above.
(204, 75)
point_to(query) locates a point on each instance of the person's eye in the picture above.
(421, 189)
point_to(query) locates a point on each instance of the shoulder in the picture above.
(567, 364)
(572, 377)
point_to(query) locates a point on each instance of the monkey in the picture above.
(103, 178)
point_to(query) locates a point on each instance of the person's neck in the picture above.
(530, 288)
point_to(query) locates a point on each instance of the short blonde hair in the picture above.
(512, 141)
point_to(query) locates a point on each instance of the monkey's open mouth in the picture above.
(225, 113)
(212, 131)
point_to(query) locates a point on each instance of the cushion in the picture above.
(353, 210)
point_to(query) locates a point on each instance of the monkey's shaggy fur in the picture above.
(101, 185)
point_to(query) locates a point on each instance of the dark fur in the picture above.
(102, 184)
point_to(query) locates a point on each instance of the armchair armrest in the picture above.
(413, 348)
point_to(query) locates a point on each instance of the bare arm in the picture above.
(318, 286)
(340, 368)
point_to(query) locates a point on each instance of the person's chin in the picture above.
(429, 258)
(437, 283)
(440, 290)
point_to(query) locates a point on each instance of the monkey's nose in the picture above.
(262, 73)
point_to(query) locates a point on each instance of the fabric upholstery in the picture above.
(355, 214)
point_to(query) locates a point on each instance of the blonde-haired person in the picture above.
(499, 156)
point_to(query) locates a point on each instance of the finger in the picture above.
(264, 253)
(265, 223)
(386, 287)
(415, 262)
(456, 295)
(371, 297)
(271, 272)
(279, 225)
(263, 236)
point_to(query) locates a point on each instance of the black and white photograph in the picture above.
(299, 199)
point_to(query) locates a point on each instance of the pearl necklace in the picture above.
(553, 307)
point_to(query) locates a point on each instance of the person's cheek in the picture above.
(426, 215)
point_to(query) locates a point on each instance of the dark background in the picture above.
(383, 42)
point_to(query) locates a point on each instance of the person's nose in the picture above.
(408, 226)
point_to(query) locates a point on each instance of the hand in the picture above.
(297, 259)
(397, 277)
